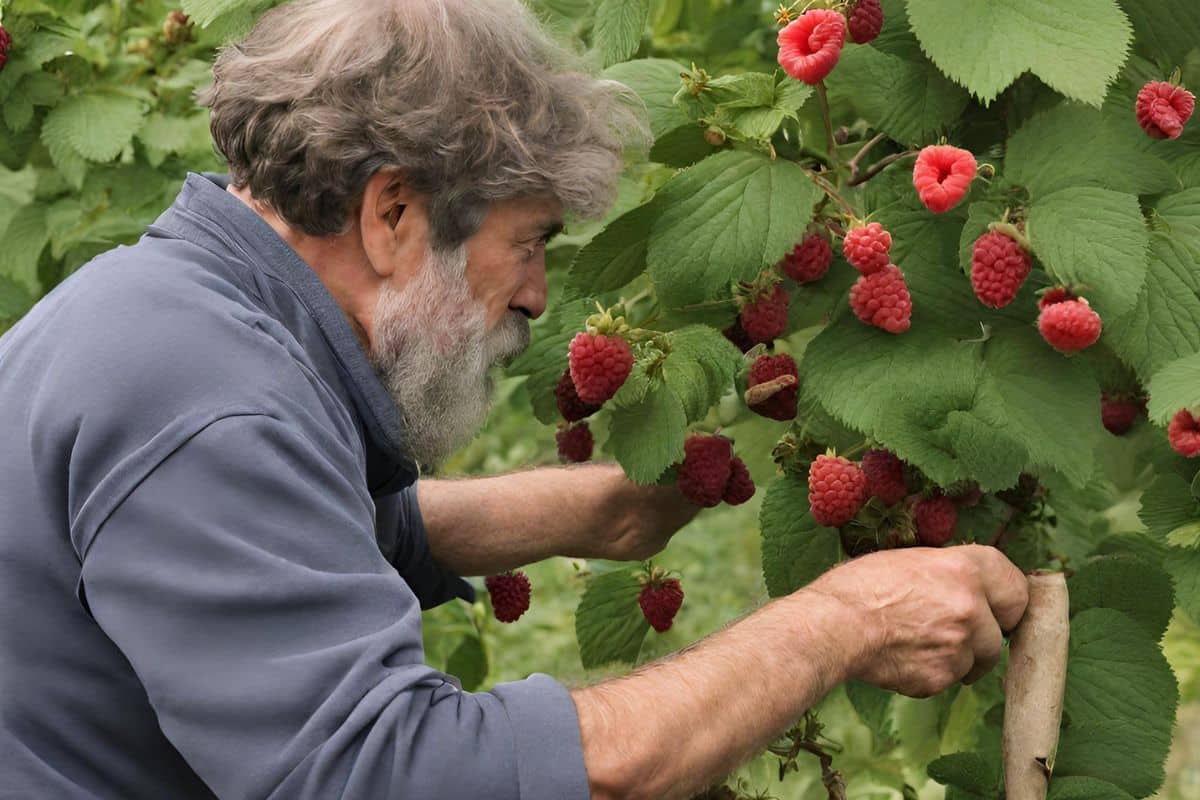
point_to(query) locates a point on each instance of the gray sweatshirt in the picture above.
(212, 562)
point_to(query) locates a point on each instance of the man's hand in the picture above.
(644, 518)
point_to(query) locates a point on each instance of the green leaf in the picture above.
(795, 549)
(608, 622)
(743, 90)
(1168, 504)
(1139, 588)
(203, 12)
(724, 220)
(619, 28)
(1175, 386)
(647, 437)
(1076, 46)
(1094, 753)
(1184, 566)
(469, 663)
(968, 771)
(979, 216)
(1095, 237)
(1167, 29)
(15, 300)
(97, 126)
(1063, 787)
(872, 705)
(700, 368)
(655, 80)
(1179, 215)
(72, 166)
(24, 239)
(613, 257)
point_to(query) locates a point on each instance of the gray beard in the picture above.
(432, 352)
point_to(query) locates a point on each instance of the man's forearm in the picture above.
(684, 722)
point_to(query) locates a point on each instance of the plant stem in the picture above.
(880, 165)
(828, 122)
(854, 162)
(833, 193)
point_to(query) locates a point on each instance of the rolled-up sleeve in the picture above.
(402, 538)
(280, 649)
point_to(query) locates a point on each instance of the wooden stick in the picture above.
(1037, 677)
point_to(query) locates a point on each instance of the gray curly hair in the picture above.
(469, 99)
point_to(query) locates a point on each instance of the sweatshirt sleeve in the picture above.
(282, 652)
(402, 538)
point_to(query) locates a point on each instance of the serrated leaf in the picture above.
(1184, 566)
(1095, 237)
(24, 239)
(655, 80)
(1064, 787)
(700, 368)
(1167, 29)
(613, 257)
(204, 12)
(872, 705)
(970, 772)
(1076, 46)
(97, 126)
(469, 663)
(619, 27)
(72, 166)
(743, 90)
(1094, 753)
(724, 220)
(1179, 215)
(1175, 386)
(681, 147)
(1139, 588)
(647, 437)
(609, 623)
(795, 549)
(1166, 504)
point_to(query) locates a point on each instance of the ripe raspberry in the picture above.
(1163, 109)
(599, 365)
(5, 44)
(575, 443)
(885, 476)
(1118, 413)
(837, 490)
(569, 405)
(735, 334)
(881, 299)
(999, 265)
(741, 486)
(765, 317)
(865, 21)
(510, 593)
(1069, 326)
(660, 602)
(942, 176)
(866, 247)
(936, 518)
(809, 260)
(782, 404)
(1184, 433)
(809, 47)
(705, 470)
(1056, 295)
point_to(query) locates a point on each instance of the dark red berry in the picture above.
(569, 405)
(740, 487)
(936, 518)
(660, 602)
(885, 476)
(510, 592)
(575, 443)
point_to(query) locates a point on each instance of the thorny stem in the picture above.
(853, 451)
(803, 740)
(828, 122)
(879, 166)
(854, 162)
(833, 193)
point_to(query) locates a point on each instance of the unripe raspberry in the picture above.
(936, 518)
(176, 28)
(881, 299)
(510, 592)
(705, 470)
(837, 490)
(999, 265)
(885, 476)
(5, 45)
(1118, 413)
(764, 318)
(809, 260)
(1184, 433)
(599, 365)
(1069, 326)
(866, 248)
(569, 405)
(942, 176)
(865, 21)
(782, 404)
(809, 47)
(660, 602)
(741, 486)
(575, 443)
(1163, 109)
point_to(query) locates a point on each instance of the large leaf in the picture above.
(968, 771)
(619, 27)
(1167, 504)
(15, 300)
(795, 549)
(700, 368)
(613, 257)
(203, 12)
(1167, 29)
(1139, 588)
(647, 436)
(1184, 566)
(98, 126)
(469, 662)
(24, 239)
(608, 622)
(655, 80)
(1064, 787)
(1076, 46)
(872, 705)
(1175, 386)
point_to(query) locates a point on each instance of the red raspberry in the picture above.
(837, 490)
(741, 486)
(942, 176)
(782, 404)
(999, 265)
(660, 603)
(575, 443)
(809, 47)
(705, 470)
(1118, 413)
(866, 247)
(569, 405)
(809, 260)
(1184, 433)
(599, 365)
(885, 476)
(765, 317)
(510, 593)
(881, 299)
(5, 44)
(1163, 109)
(1056, 295)
(865, 21)
(1069, 326)
(936, 518)
(735, 334)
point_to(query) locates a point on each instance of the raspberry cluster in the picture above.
(710, 472)
(599, 365)
(764, 316)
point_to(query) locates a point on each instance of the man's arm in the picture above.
(481, 526)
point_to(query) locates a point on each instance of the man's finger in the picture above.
(1004, 585)
(988, 644)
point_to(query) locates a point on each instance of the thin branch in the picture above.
(828, 122)
(854, 162)
(833, 193)
(880, 165)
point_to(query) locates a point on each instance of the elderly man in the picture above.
(214, 547)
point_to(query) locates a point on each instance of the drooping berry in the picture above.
(1118, 413)
(782, 404)
(569, 405)
(705, 470)
(764, 318)
(1162, 109)
(1184, 433)
(575, 443)
(599, 365)
(510, 592)
(881, 299)
(999, 265)
(942, 175)
(5, 45)
(837, 490)
(885, 476)
(741, 486)
(809, 260)
(936, 518)
(867, 246)
(1069, 326)
(1055, 295)
(735, 334)
(865, 21)
(809, 46)
(660, 602)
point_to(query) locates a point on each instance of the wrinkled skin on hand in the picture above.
(644, 518)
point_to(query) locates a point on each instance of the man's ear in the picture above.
(389, 219)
